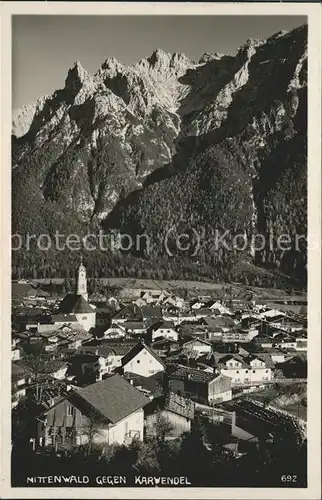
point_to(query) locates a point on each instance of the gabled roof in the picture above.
(174, 403)
(185, 372)
(127, 312)
(197, 340)
(228, 357)
(75, 304)
(106, 349)
(114, 398)
(138, 348)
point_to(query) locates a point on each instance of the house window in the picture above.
(254, 371)
(237, 371)
(138, 361)
(84, 317)
(266, 371)
(70, 411)
(246, 371)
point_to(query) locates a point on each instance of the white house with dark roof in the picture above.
(76, 303)
(142, 360)
(165, 329)
(115, 331)
(245, 370)
(112, 406)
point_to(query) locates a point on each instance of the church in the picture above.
(77, 303)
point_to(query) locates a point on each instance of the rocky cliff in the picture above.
(218, 145)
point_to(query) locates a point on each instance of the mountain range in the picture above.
(218, 145)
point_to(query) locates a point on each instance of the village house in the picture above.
(126, 313)
(63, 337)
(197, 346)
(237, 335)
(292, 325)
(271, 313)
(276, 356)
(224, 322)
(199, 385)
(163, 329)
(111, 352)
(142, 360)
(134, 327)
(87, 367)
(115, 331)
(154, 296)
(180, 317)
(176, 410)
(107, 412)
(284, 341)
(173, 303)
(244, 370)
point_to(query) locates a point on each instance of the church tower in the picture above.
(81, 282)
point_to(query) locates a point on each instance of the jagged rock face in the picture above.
(222, 142)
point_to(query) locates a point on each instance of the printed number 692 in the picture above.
(288, 479)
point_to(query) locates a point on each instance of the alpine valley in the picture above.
(201, 148)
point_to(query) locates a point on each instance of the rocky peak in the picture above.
(159, 59)
(76, 77)
(110, 67)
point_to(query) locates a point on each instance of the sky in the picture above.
(45, 47)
